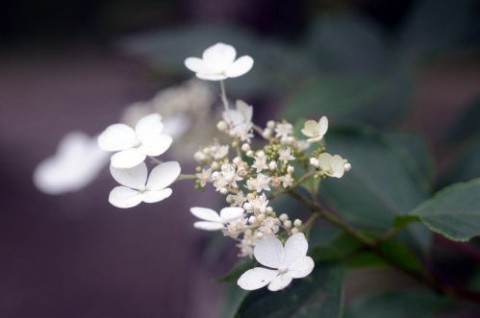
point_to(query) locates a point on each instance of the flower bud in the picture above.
(222, 126)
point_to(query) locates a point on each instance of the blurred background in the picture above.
(410, 66)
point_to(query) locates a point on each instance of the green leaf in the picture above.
(379, 187)
(402, 221)
(398, 304)
(347, 42)
(318, 295)
(345, 97)
(453, 212)
(416, 155)
(234, 296)
(345, 248)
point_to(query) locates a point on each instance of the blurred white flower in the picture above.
(239, 120)
(287, 263)
(76, 164)
(218, 63)
(135, 145)
(315, 130)
(136, 187)
(212, 221)
(332, 166)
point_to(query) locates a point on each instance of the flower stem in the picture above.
(223, 95)
(186, 177)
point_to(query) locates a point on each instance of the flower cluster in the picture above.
(249, 164)
(251, 175)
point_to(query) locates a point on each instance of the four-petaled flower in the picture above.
(212, 221)
(135, 145)
(332, 166)
(315, 130)
(136, 187)
(285, 263)
(218, 63)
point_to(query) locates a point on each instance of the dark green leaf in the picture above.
(318, 295)
(402, 221)
(453, 212)
(234, 296)
(416, 155)
(379, 186)
(375, 99)
(411, 303)
(467, 166)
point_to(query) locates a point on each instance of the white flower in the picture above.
(218, 63)
(212, 221)
(315, 130)
(77, 163)
(332, 166)
(260, 161)
(135, 145)
(136, 188)
(260, 183)
(286, 262)
(239, 120)
(283, 130)
(285, 155)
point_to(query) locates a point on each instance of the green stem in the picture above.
(295, 185)
(186, 177)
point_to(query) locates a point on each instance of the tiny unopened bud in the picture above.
(215, 165)
(290, 169)
(272, 165)
(252, 219)
(223, 191)
(348, 166)
(271, 124)
(283, 217)
(297, 223)
(250, 153)
(245, 147)
(267, 133)
(269, 209)
(287, 224)
(222, 126)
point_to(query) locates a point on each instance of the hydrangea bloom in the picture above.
(135, 145)
(218, 63)
(332, 166)
(212, 221)
(315, 130)
(77, 163)
(285, 263)
(136, 187)
(239, 120)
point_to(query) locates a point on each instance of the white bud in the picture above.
(348, 166)
(222, 126)
(287, 224)
(267, 133)
(283, 217)
(297, 223)
(250, 153)
(290, 169)
(271, 124)
(252, 219)
(272, 165)
(245, 147)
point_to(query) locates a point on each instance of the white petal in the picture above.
(211, 76)
(156, 146)
(127, 159)
(231, 214)
(153, 196)
(206, 214)
(280, 282)
(239, 67)
(269, 251)
(296, 248)
(149, 127)
(256, 278)
(134, 177)
(196, 65)
(123, 197)
(208, 226)
(117, 137)
(301, 267)
(163, 175)
(323, 125)
(219, 56)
